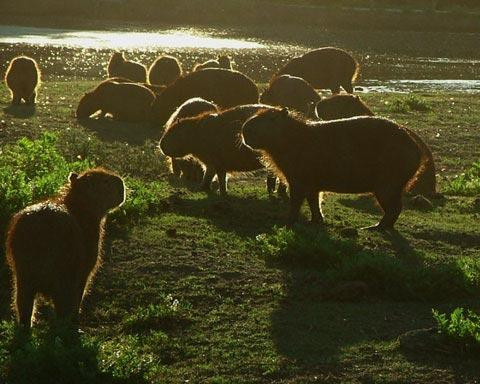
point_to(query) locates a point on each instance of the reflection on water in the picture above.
(404, 86)
(188, 38)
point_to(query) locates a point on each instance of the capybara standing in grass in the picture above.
(23, 78)
(164, 71)
(189, 168)
(223, 87)
(54, 247)
(356, 155)
(292, 92)
(327, 67)
(223, 61)
(128, 102)
(214, 139)
(344, 106)
(118, 66)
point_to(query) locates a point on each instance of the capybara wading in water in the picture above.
(343, 106)
(292, 92)
(222, 62)
(223, 87)
(214, 139)
(327, 67)
(164, 71)
(118, 66)
(54, 247)
(23, 78)
(357, 155)
(130, 102)
(189, 168)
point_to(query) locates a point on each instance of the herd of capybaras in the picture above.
(215, 122)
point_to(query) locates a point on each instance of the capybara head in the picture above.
(260, 128)
(86, 106)
(192, 107)
(117, 57)
(97, 190)
(224, 62)
(341, 107)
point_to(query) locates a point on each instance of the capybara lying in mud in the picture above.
(356, 155)
(128, 102)
(327, 67)
(343, 106)
(118, 66)
(292, 92)
(23, 78)
(189, 168)
(214, 139)
(222, 62)
(164, 71)
(54, 247)
(223, 87)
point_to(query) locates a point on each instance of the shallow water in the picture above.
(406, 86)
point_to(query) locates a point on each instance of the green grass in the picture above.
(466, 183)
(461, 327)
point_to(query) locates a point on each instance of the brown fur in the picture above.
(156, 89)
(125, 101)
(327, 67)
(23, 79)
(222, 62)
(164, 71)
(343, 106)
(292, 92)
(214, 139)
(54, 247)
(357, 155)
(189, 168)
(118, 66)
(223, 87)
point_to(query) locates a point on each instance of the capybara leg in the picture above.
(348, 86)
(271, 182)
(24, 299)
(176, 167)
(314, 204)
(31, 99)
(282, 190)
(67, 307)
(222, 182)
(197, 173)
(296, 199)
(391, 203)
(426, 183)
(16, 99)
(207, 179)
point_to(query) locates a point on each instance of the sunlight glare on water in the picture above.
(119, 40)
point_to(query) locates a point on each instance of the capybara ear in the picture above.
(72, 177)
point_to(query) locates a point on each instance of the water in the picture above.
(406, 86)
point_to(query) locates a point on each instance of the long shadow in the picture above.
(22, 111)
(110, 130)
(460, 239)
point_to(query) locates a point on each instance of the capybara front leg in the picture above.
(391, 203)
(314, 204)
(24, 299)
(222, 182)
(297, 196)
(31, 99)
(207, 179)
(16, 99)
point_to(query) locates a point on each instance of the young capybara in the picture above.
(188, 167)
(292, 92)
(214, 139)
(327, 67)
(130, 102)
(223, 87)
(356, 155)
(164, 71)
(54, 247)
(223, 61)
(344, 106)
(23, 78)
(118, 66)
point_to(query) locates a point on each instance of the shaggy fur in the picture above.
(222, 62)
(164, 71)
(23, 78)
(118, 66)
(214, 139)
(54, 247)
(189, 168)
(128, 102)
(223, 87)
(357, 155)
(324, 68)
(343, 106)
(292, 92)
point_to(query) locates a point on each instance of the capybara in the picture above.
(118, 66)
(356, 155)
(156, 89)
(164, 71)
(54, 247)
(189, 168)
(327, 67)
(343, 106)
(23, 79)
(223, 87)
(292, 92)
(223, 61)
(130, 102)
(214, 139)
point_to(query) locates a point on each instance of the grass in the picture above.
(466, 183)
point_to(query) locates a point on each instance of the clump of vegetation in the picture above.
(467, 183)
(410, 103)
(461, 327)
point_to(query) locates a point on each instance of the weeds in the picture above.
(410, 103)
(467, 183)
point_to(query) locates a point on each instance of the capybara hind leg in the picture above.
(314, 204)
(24, 299)
(222, 182)
(348, 86)
(391, 203)
(207, 179)
(297, 196)
(31, 99)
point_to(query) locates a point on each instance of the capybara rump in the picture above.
(23, 78)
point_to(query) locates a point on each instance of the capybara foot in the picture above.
(378, 227)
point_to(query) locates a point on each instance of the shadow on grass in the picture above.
(460, 239)
(22, 111)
